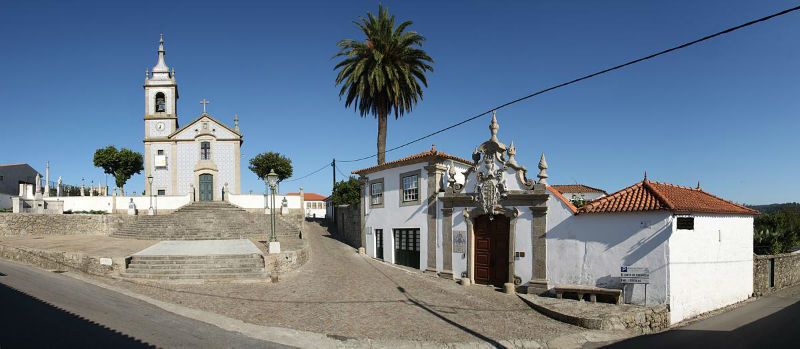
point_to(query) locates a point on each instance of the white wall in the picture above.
(711, 266)
(589, 249)
(394, 216)
(105, 203)
(315, 212)
(254, 201)
(584, 196)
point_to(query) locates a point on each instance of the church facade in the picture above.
(201, 158)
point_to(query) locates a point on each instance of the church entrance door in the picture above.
(206, 187)
(491, 250)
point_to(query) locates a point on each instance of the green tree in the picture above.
(776, 232)
(122, 164)
(383, 72)
(347, 192)
(262, 163)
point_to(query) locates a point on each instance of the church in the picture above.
(201, 158)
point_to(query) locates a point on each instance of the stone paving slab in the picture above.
(200, 248)
(99, 246)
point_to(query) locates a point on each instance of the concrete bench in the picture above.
(592, 291)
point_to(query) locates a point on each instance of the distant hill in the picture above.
(792, 207)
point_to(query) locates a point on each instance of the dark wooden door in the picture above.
(406, 247)
(379, 243)
(206, 187)
(491, 250)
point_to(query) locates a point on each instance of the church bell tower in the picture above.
(160, 121)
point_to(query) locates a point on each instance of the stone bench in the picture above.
(592, 291)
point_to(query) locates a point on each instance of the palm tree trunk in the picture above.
(382, 121)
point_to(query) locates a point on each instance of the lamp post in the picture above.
(274, 244)
(150, 211)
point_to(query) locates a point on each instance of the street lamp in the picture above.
(150, 211)
(272, 181)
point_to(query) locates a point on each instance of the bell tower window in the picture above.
(205, 150)
(161, 103)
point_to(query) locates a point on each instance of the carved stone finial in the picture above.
(433, 148)
(645, 176)
(236, 122)
(512, 150)
(494, 126)
(542, 170)
(698, 184)
(146, 73)
(452, 170)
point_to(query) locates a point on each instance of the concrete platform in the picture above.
(200, 248)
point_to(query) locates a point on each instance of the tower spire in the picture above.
(161, 70)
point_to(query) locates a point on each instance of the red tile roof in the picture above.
(652, 196)
(309, 196)
(431, 154)
(577, 188)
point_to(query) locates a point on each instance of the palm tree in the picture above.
(382, 73)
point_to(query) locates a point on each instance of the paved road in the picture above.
(46, 309)
(769, 322)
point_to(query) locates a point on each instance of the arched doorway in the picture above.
(492, 249)
(206, 187)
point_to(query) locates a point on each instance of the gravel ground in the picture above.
(343, 294)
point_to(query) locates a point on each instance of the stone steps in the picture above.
(205, 221)
(196, 267)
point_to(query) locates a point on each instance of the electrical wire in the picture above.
(308, 175)
(585, 77)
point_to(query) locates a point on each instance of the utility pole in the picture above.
(333, 168)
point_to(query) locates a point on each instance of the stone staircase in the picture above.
(237, 266)
(205, 220)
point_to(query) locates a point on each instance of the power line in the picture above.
(341, 173)
(308, 175)
(589, 76)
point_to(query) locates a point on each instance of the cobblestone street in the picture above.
(343, 294)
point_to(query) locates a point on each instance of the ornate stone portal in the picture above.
(499, 187)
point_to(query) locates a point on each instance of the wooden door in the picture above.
(406, 247)
(491, 250)
(379, 243)
(206, 187)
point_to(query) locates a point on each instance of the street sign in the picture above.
(634, 275)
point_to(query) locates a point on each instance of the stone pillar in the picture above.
(435, 173)
(539, 283)
(447, 243)
(363, 215)
(47, 179)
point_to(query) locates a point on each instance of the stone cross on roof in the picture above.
(204, 102)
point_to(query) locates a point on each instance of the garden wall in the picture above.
(774, 272)
(16, 224)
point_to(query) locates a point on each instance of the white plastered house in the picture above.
(485, 222)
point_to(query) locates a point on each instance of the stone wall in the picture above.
(294, 254)
(15, 224)
(348, 225)
(59, 260)
(786, 272)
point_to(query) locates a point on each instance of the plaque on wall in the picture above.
(459, 241)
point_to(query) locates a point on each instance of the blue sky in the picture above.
(724, 113)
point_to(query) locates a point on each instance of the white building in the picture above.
(201, 158)
(579, 192)
(315, 205)
(484, 221)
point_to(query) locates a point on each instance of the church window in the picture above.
(205, 150)
(161, 152)
(162, 192)
(161, 103)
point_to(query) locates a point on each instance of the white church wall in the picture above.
(589, 249)
(223, 155)
(523, 266)
(188, 155)
(393, 216)
(460, 260)
(711, 266)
